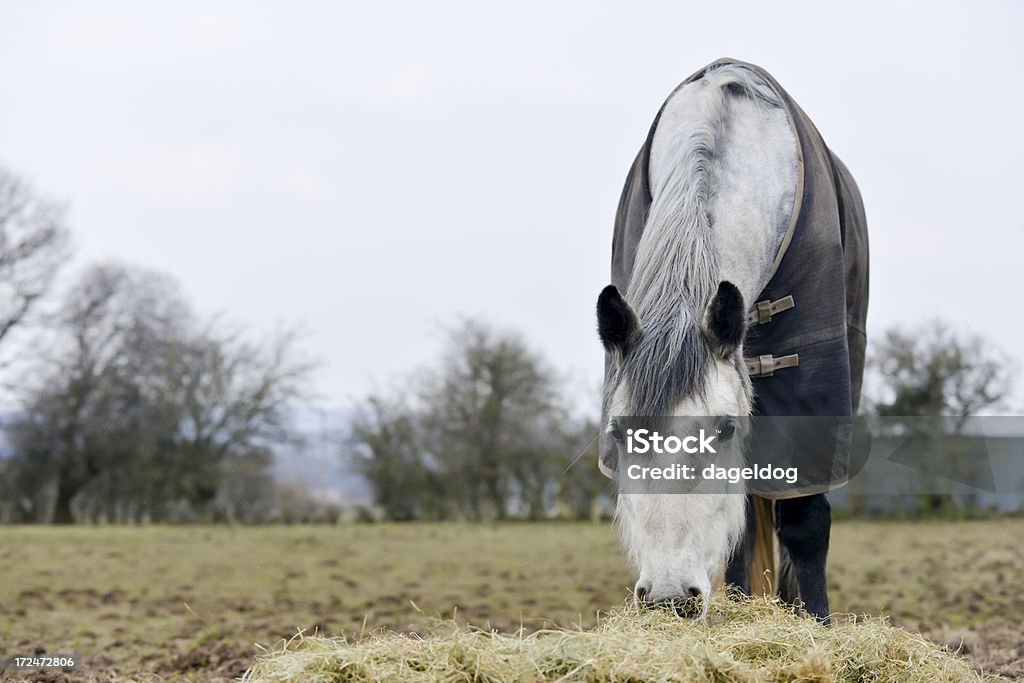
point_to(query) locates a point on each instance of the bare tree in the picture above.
(932, 371)
(91, 414)
(140, 408)
(33, 246)
(486, 433)
(387, 442)
(495, 415)
(231, 398)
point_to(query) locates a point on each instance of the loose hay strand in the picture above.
(741, 640)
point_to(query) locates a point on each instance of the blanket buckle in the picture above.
(764, 310)
(766, 365)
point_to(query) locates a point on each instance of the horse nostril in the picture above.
(640, 593)
(693, 591)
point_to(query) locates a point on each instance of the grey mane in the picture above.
(677, 267)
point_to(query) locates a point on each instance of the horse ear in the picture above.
(726, 320)
(617, 324)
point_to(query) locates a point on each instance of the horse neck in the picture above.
(717, 212)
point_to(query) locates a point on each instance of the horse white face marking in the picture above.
(679, 543)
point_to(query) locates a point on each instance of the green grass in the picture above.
(192, 602)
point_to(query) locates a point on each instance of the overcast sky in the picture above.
(374, 169)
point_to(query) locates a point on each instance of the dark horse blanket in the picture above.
(806, 339)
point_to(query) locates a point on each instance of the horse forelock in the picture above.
(666, 365)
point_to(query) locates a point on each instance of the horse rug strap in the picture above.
(764, 310)
(766, 365)
(806, 337)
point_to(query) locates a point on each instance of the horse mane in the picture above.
(676, 271)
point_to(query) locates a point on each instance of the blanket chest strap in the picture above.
(765, 366)
(764, 310)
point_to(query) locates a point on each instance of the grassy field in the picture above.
(193, 603)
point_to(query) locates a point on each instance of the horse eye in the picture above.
(616, 432)
(727, 429)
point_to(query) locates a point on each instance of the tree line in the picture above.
(120, 403)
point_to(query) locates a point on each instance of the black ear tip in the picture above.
(729, 294)
(609, 292)
(726, 322)
(616, 323)
(728, 301)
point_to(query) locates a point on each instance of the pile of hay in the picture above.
(752, 640)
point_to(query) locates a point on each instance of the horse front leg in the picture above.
(804, 525)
